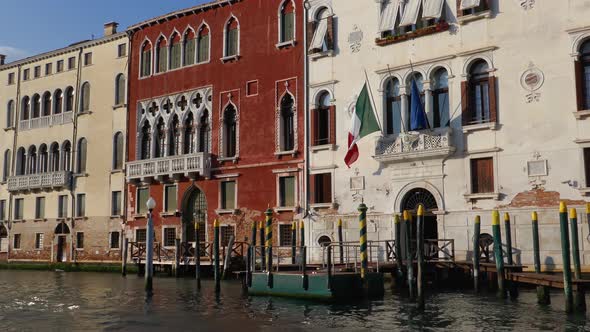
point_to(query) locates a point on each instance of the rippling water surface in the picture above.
(53, 301)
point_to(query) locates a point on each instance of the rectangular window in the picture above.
(60, 66)
(170, 199)
(169, 237)
(80, 205)
(16, 243)
(287, 191)
(26, 74)
(80, 240)
(482, 175)
(143, 194)
(114, 240)
(587, 166)
(322, 188)
(251, 88)
(37, 71)
(62, 206)
(39, 241)
(286, 234)
(116, 203)
(140, 235)
(88, 59)
(48, 69)
(122, 50)
(40, 208)
(225, 233)
(228, 195)
(71, 63)
(11, 78)
(19, 205)
(3, 209)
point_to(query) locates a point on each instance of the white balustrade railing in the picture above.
(415, 145)
(39, 181)
(168, 166)
(46, 121)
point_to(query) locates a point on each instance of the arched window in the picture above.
(69, 99)
(175, 49)
(189, 48)
(393, 109)
(10, 114)
(287, 123)
(36, 106)
(66, 156)
(232, 38)
(203, 45)
(189, 135)
(32, 160)
(6, 165)
(230, 132)
(146, 141)
(118, 151)
(417, 77)
(160, 139)
(58, 103)
(440, 98)
(321, 119)
(146, 59)
(479, 92)
(120, 89)
(82, 155)
(26, 108)
(323, 32)
(583, 76)
(287, 22)
(161, 56)
(54, 157)
(21, 160)
(175, 133)
(204, 132)
(47, 103)
(85, 97)
(43, 159)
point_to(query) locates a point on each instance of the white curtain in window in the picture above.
(468, 4)
(432, 8)
(388, 16)
(411, 11)
(319, 36)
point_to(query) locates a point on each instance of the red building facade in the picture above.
(216, 119)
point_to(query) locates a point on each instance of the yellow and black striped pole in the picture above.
(498, 255)
(262, 249)
(268, 240)
(363, 239)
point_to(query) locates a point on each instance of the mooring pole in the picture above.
(124, 261)
(302, 234)
(409, 256)
(197, 255)
(509, 260)
(149, 252)
(268, 245)
(420, 254)
(294, 243)
(579, 295)
(542, 291)
(398, 247)
(363, 240)
(177, 258)
(498, 255)
(216, 272)
(341, 240)
(253, 245)
(565, 253)
(262, 249)
(476, 253)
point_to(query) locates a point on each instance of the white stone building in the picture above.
(505, 88)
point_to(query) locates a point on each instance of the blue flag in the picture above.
(418, 119)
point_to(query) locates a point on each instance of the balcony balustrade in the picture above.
(46, 121)
(426, 144)
(190, 165)
(53, 180)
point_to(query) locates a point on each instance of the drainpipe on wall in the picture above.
(15, 117)
(306, 6)
(130, 35)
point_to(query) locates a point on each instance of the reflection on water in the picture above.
(40, 301)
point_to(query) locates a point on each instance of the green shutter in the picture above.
(228, 195)
(142, 197)
(232, 42)
(203, 49)
(189, 52)
(171, 204)
(162, 59)
(288, 27)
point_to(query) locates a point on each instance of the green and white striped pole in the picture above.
(498, 255)
(565, 254)
(363, 239)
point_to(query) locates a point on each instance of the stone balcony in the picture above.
(190, 165)
(425, 144)
(46, 121)
(53, 180)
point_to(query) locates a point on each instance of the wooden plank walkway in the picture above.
(550, 280)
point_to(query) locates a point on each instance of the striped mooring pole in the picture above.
(216, 272)
(498, 255)
(268, 245)
(476, 253)
(294, 243)
(262, 249)
(542, 291)
(340, 240)
(363, 239)
(579, 294)
(565, 254)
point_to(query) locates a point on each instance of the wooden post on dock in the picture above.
(262, 249)
(476, 253)
(302, 234)
(512, 286)
(268, 245)
(294, 243)
(149, 251)
(498, 256)
(363, 240)
(340, 240)
(409, 257)
(216, 273)
(398, 247)
(579, 295)
(176, 257)
(253, 245)
(565, 253)
(124, 261)
(542, 291)
(420, 255)
(228, 253)
(197, 255)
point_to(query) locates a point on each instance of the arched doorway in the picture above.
(3, 239)
(61, 232)
(194, 209)
(412, 200)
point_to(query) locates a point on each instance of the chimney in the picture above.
(110, 28)
(2, 59)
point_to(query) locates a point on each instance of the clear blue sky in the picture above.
(29, 27)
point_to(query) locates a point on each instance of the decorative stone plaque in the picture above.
(532, 80)
(355, 39)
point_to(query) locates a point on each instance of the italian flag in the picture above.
(363, 123)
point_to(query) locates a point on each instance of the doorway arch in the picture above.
(410, 202)
(61, 232)
(3, 238)
(194, 209)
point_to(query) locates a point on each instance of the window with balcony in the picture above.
(204, 132)
(232, 38)
(146, 60)
(287, 22)
(189, 134)
(161, 55)
(321, 30)
(43, 159)
(393, 109)
(287, 125)
(174, 144)
(582, 72)
(66, 156)
(146, 141)
(228, 195)
(287, 191)
(62, 206)
(69, 99)
(54, 157)
(478, 95)
(58, 101)
(36, 106)
(321, 188)
(21, 160)
(25, 108)
(230, 132)
(482, 176)
(46, 110)
(160, 139)
(175, 51)
(203, 44)
(31, 160)
(169, 237)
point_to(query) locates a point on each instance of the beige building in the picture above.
(504, 84)
(63, 115)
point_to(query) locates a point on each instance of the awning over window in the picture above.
(431, 9)
(319, 37)
(389, 16)
(468, 4)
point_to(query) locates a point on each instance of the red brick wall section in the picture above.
(540, 198)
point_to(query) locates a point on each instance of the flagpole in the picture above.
(423, 110)
(400, 109)
(373, 101)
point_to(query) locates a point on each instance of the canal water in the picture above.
(54, 301)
